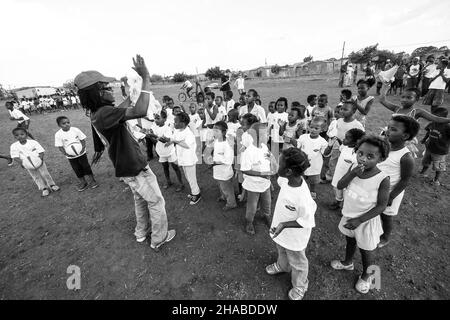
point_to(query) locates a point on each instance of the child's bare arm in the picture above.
(406, 172)
(391, 106)
(420, 113)
(63, 151)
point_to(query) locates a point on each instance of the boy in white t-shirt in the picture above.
(293, 220)
(314, 146)
(160, 134)
(68, 140)
(223, 157)
(439, 79)
(256, 164)
(311, 104)
(30, 150)
(229, 102)
(185, 146)
(195, 124)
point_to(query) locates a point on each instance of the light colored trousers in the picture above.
(190, 172)
(149, 206)
(296, 263)
(227, 191)
(253, 198)
(42, 177)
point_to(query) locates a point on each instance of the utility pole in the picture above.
(342, 57)
(341, 76)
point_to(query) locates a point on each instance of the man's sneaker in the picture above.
(195, 199)
(45, 192)
(363, 286)
(296, 293)
(55, 188)
(82, 186)
(337, 265)
(170, 235)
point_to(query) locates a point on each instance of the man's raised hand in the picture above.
(140, 67)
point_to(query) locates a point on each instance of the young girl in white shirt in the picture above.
(160, 134)
(184, 141)
(347, 158)
(31, 152)
(366, 195)
(314, 146)
(280, 116)
(293, 220)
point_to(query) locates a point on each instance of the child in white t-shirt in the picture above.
(292, 129)
(293, 220)
(280, 116)
(160, 134)
(223, 157)
(30, 151)
(314, 146)
(347, 157)
(366, 194)
(312, 103)
(185, 146)
(195, 123)
(72, 144)
(257, 165)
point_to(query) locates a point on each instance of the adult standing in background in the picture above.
(129, 162)
(427, 73)
(343, 72)
(370, 74)
(239, 83)
(413, 72)
(225, 82)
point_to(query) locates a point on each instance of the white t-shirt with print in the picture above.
(294, 204)
(342, 127)
(66, 138)
(254, 159)
(194, 123)
(257, 110)
(31, 148)
(346, 159)
(165, 131)
(314, 148)
(223, 153)
(438, 83)
(232, 128)
(186, 157)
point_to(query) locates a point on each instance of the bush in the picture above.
(180, 77)
(156, 78)
(214, 73)
(275, 69)
(308, 58)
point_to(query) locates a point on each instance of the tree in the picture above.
(308, 58)
(69, 85)
(384, 55)
(156, 78)
(180, 77)
(364, 55)
(275, 69)
(422, 51)
(214, 73)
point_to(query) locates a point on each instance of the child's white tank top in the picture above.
(361, 195)
(391, 166)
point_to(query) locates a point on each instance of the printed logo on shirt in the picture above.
(290, 208)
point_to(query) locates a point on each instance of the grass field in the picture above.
(211, 257)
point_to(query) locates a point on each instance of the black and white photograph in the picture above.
(248, 152)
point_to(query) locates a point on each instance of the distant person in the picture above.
(22, 120)
(188, 86)
(129, 162)
(225, 82)
(438, 82)
(370, 74)
(355, 74)
(343, 72)
(412, 73)
(240, 84)
(427, 74)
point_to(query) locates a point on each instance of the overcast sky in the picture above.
(46, 42)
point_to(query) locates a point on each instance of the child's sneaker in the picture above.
(141, 239)
(55, 188)
(273, 269)
(45, 192)
(93, 185)
(82, 186)
(250, 229)
(383, 243)
(363, 286)
(296, 293)
(314, 195)
(10, 163)
(338, 265)
(170, 235)
(195, 199)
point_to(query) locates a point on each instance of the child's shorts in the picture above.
(367, 234)
(438, 161)
(392, 210)
(434, 97)
(313, 179)
(171, 158)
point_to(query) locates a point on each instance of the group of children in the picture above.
(44, 103)
(298, 147)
